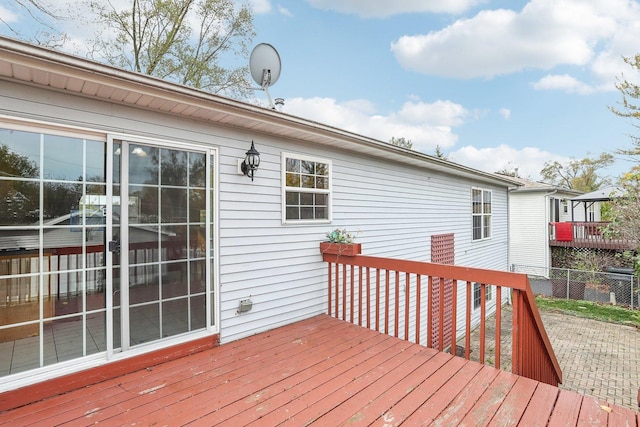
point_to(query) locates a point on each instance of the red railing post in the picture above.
(344, 292)
(377, 299)
(360, 299)
(418, 299)
(467, 339)
(396, 308)
(407, 304)
(337, 273)
(368, 297)
(483, 315)
(515, 352)
(498, 325)
(430, 313)
(329, 288)
(454, 317)
(386, 302)
(351, 296)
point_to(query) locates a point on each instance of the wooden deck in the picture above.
(585, 235)
(320, 371)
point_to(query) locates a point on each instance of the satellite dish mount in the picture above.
(265, 66)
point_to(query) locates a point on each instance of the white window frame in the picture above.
(328, 191)
(484, 217)
(490, 295)
(591, 212)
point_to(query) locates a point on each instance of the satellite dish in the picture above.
(265, 66)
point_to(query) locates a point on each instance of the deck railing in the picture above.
(585, 235)
(416, 301)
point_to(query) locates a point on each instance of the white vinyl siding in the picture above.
(528, 228)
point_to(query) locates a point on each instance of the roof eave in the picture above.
(35, 65)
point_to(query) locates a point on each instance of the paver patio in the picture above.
(597, 358)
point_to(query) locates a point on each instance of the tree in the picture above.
(624, 213)
(178, 40)
(45, 17)
(401, 142)
(18, 196)
(581, 175)
(630, 108)
(439, 154)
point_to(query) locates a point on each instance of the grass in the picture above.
(591, 310)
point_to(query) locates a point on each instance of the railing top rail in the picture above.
(471, 274)
(581, 222)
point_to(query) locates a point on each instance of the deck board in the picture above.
(203, 387)
(540, 405)
(320, 371)
(458, 408)
(394, 394)
(566, 410)
(492, 399)
(515, 403)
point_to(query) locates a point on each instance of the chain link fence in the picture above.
(612, 287)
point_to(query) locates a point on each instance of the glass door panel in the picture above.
(165, 242)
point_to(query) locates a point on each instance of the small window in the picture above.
(307, 189)
(477, 294)
(481, 213)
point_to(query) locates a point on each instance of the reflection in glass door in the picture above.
(53, 287)
(163, 235)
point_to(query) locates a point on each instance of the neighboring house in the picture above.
(533, 209)
(198, 237)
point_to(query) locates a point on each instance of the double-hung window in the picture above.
(481, 213)
(307, 189)
(477, 295)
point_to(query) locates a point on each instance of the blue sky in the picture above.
(495, 84)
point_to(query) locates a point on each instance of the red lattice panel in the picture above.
(442, 252)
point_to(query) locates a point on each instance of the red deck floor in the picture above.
(325, 372)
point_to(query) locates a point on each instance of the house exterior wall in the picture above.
(530, 213)
(395, 209)
(528, 224)
(278, 266)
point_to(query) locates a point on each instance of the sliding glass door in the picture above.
(105, 245)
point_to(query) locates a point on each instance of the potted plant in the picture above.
(340, 242)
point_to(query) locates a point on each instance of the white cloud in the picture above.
(543, 35)
(7, 16)
(528, 160)
(385, 8)
(260, 6)
(284, 11)
(505, 112)
(563, 82)
(425, 124)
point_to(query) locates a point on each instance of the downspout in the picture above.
(509, 265)
(547, 256)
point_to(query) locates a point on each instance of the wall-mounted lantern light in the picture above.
(251, 162)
